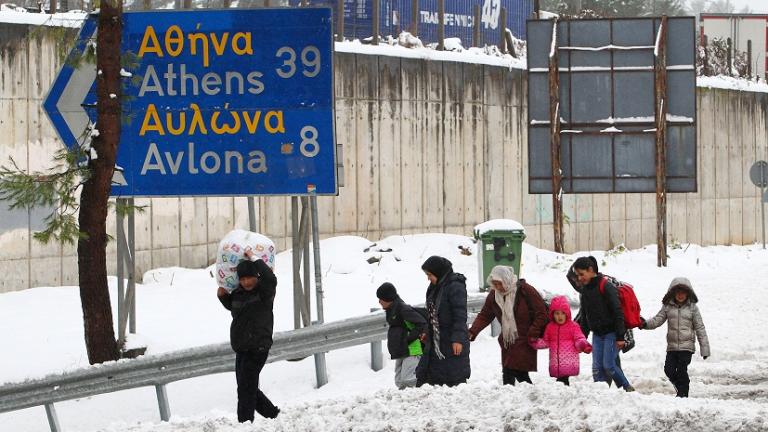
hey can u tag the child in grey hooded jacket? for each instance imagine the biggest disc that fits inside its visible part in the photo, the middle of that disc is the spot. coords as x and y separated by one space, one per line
684 326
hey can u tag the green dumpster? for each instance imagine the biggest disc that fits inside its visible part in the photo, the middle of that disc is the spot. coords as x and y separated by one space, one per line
499 242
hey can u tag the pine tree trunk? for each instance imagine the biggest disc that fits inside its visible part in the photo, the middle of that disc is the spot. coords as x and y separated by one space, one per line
91 251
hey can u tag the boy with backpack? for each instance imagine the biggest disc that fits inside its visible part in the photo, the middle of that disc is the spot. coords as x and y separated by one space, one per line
603 311
406 328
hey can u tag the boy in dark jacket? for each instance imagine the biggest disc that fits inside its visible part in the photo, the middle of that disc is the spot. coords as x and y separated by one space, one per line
251 334
406 327
606 320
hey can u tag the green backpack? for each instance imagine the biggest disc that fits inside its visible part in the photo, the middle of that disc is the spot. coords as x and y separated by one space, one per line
414 348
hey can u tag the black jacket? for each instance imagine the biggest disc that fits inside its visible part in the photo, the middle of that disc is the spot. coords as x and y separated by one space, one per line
450 297
602 310
252 317
398 336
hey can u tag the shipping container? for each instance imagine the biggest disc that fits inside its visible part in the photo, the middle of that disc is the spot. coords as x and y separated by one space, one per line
395 17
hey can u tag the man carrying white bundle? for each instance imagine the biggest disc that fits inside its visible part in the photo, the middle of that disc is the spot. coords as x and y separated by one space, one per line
251 333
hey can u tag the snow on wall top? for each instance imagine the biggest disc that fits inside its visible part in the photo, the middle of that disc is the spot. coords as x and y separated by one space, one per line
468 55
66 19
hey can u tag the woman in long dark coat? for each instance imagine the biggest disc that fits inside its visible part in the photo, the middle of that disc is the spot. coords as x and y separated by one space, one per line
522 314
446 356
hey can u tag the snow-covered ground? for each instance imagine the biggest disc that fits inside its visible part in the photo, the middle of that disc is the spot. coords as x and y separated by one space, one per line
41 332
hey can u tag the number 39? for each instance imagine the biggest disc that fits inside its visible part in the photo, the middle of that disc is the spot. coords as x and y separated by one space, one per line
310 59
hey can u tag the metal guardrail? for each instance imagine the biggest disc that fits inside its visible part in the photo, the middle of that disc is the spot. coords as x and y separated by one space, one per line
159 370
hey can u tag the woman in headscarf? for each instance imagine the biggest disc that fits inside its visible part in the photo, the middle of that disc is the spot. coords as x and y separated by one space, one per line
446 356
523 316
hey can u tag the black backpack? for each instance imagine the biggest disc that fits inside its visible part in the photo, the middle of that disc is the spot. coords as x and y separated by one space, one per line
423 312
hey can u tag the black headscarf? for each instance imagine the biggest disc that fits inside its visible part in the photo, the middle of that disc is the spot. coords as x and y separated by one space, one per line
438 266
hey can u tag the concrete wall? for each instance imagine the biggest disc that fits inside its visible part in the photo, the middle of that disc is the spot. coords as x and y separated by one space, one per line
428 147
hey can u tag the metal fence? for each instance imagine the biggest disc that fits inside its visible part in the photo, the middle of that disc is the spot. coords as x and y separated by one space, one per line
162 369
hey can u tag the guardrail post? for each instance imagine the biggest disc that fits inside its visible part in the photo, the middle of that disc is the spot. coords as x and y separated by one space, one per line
321 373
495 328
53 420
162 402
377 359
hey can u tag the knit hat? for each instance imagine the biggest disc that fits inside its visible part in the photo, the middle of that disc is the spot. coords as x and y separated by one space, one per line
386 292
247 268
438 266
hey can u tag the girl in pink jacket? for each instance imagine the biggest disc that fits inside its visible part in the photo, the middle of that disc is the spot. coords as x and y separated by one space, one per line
564 339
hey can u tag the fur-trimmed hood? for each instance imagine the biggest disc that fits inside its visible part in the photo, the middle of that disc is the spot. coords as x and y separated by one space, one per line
679 283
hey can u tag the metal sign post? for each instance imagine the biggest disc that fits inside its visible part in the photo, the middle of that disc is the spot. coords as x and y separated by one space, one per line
759 176
126 252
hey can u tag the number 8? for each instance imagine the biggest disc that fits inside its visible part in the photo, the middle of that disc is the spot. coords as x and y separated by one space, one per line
309 139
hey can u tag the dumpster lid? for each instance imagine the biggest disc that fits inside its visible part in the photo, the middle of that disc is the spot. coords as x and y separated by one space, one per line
499 225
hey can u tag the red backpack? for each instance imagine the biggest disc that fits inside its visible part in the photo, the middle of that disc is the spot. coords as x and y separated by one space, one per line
630 307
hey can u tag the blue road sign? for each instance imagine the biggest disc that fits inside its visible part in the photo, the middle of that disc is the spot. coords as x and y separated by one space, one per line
227 102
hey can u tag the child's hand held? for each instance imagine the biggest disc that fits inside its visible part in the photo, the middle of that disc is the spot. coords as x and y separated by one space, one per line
587 349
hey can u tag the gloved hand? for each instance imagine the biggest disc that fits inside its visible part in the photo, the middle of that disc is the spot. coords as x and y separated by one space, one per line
472 337
643 324
587 349
706 357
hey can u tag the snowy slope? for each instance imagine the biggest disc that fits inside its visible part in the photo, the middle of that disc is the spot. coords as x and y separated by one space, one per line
41 333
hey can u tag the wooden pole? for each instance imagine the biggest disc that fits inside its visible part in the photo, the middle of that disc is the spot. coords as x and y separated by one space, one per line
376 21
749 59
476 26
441 25
503 30
340 21
415 18
661 145
706 55
554 130
729 58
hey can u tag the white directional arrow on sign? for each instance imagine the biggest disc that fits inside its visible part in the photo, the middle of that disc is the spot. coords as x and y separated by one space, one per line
64 103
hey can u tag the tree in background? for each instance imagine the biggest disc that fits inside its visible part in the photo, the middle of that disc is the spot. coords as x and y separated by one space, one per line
714 61
697 7
721 6
614 8
666 7
87 169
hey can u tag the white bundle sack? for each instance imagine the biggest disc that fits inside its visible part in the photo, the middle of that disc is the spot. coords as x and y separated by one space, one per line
232 249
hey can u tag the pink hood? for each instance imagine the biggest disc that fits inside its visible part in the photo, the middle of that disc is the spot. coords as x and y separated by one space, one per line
564 341
559 303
